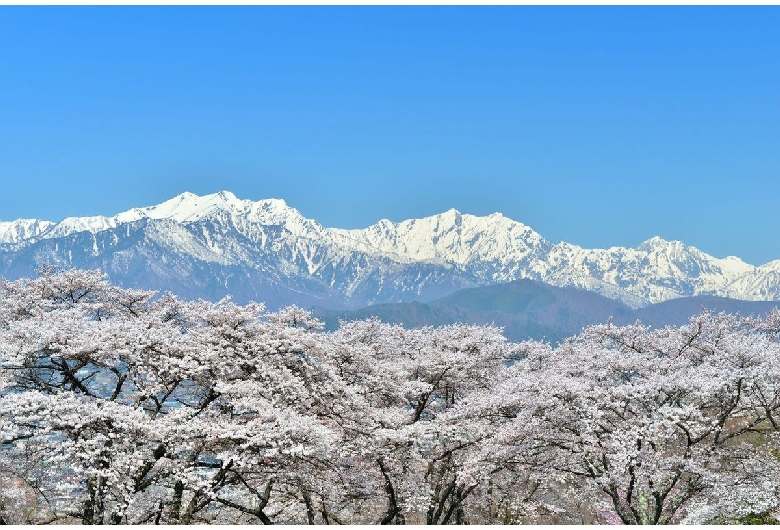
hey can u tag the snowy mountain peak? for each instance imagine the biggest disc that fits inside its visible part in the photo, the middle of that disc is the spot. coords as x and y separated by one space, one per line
273 210
188 207
657 243
388 261
22 229
451 237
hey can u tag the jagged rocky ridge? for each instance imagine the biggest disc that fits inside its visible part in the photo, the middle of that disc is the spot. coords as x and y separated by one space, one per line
214 245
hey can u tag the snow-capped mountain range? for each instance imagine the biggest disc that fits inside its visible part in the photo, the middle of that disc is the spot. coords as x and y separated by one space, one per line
214 245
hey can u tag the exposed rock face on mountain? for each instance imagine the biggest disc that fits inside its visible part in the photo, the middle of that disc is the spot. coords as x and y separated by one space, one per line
214 245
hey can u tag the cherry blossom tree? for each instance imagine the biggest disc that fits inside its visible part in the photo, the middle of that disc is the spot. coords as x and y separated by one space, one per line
155 410
659 426
408 380
125 406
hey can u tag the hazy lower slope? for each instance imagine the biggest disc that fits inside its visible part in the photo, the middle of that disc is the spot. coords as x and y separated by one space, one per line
528 309
677 312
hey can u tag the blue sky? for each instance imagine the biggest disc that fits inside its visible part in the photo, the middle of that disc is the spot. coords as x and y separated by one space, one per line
599 126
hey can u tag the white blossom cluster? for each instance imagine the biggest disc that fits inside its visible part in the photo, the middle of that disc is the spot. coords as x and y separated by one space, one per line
121 406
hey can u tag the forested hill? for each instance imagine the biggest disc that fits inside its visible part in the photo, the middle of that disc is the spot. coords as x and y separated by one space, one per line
529 309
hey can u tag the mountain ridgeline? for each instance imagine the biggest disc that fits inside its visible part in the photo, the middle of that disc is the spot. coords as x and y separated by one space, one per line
216 245
528 309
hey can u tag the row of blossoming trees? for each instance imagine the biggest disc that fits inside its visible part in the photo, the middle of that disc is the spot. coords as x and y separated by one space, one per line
119 406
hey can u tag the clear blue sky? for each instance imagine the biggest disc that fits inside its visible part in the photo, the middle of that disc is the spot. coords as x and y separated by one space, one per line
599 126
